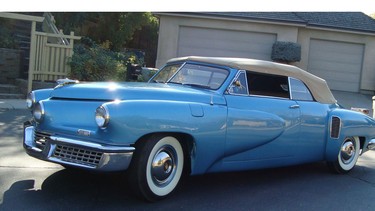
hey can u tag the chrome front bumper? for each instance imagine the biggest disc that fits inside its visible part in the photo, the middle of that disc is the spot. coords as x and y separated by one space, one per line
76 153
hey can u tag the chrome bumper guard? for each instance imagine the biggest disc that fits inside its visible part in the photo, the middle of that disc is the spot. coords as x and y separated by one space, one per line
77 153
371 144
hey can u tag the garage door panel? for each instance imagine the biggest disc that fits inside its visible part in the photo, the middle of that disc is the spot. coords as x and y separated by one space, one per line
223 45
339 63
210 52
338 85
335 67
215 42
336 76
334 57
336 46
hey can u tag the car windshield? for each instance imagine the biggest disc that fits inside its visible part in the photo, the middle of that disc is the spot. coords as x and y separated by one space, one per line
192 75
164 75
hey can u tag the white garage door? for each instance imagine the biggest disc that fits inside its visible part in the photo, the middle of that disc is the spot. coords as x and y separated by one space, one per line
195 41
339 63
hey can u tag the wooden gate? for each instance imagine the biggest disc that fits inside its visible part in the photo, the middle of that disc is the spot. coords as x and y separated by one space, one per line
51 59
49 52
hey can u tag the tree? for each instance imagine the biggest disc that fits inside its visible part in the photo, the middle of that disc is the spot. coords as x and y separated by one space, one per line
7 40
113 28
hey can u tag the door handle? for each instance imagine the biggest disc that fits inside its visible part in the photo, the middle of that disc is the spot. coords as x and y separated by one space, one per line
294 106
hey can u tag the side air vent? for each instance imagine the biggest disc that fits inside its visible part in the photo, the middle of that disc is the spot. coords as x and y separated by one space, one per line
335 127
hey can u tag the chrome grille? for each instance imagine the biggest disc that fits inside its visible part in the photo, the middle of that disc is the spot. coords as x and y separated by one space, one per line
77 155
40 139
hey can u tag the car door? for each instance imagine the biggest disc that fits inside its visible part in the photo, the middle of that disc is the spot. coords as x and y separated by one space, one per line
263 124
313 122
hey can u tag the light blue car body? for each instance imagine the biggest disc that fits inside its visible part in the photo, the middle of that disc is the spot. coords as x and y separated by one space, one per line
225 132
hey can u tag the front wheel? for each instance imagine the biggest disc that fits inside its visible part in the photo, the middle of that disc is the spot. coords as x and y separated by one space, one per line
347 157
157 167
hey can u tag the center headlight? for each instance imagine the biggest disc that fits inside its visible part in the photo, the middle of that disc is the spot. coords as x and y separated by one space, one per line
38 111
102 116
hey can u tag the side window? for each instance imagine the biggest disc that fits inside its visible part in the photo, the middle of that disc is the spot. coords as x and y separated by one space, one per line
239 85
299 91
268 85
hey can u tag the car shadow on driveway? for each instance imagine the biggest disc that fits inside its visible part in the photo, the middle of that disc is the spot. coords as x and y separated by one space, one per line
309 186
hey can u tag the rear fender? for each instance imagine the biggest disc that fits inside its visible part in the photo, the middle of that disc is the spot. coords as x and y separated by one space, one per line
345 123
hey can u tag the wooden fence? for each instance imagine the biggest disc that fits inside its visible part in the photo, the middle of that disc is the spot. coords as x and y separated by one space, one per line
51 59
49 53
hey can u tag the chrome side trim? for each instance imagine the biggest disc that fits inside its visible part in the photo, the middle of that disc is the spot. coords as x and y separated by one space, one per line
91 145
371 144
290 87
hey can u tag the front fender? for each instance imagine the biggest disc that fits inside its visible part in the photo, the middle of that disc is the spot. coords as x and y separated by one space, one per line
41 94
352 124
132 119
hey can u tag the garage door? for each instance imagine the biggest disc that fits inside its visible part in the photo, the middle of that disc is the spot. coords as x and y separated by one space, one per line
339 63
225 43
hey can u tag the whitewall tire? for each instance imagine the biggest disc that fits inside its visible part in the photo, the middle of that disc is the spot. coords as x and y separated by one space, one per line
157 167
347 156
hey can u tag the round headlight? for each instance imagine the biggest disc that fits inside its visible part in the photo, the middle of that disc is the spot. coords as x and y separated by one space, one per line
102 116
38 111
30 100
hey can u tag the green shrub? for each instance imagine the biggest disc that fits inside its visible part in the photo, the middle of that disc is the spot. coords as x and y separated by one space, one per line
286 52
91 62
7 40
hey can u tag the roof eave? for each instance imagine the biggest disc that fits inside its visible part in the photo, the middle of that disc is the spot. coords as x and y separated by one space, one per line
340 29
268 21
21 17
237 18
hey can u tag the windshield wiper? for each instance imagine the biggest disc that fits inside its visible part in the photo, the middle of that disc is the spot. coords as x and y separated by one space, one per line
191 84
198 85
171 82
157 81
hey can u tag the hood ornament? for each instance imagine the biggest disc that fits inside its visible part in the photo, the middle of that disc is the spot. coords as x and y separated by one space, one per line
66 81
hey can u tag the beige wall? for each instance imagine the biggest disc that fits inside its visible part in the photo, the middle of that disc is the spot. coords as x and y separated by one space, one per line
169 29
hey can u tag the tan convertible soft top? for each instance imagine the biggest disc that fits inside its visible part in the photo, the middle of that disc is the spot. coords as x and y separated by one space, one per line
318 87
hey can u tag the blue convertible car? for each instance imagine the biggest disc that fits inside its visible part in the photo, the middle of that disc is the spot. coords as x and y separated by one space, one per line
196 115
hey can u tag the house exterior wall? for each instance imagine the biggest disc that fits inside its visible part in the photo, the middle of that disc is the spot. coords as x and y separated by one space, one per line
170 25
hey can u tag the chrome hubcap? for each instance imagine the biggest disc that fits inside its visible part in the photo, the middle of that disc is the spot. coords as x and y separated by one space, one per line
163 166
348 152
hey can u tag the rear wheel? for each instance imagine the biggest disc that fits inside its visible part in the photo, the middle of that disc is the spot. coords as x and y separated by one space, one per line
347 157
157 167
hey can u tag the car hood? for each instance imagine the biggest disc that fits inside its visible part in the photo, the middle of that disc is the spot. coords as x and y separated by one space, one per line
109 91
